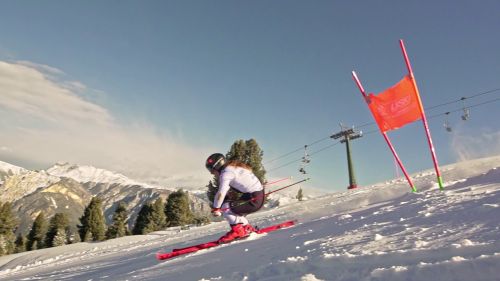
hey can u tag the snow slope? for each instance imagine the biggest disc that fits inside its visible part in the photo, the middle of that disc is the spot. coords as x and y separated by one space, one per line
381 232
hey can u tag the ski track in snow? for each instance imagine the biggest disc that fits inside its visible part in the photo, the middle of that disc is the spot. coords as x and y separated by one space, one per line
382 232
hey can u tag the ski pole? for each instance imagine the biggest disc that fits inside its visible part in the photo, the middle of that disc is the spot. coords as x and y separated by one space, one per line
265 195
287 186
276 181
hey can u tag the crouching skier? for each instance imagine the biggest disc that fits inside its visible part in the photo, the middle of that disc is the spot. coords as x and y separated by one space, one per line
238 176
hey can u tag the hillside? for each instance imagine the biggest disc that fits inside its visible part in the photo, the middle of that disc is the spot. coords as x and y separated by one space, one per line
379 232
69 188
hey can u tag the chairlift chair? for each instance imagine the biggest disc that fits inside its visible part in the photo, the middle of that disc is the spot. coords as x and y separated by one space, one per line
446 124
466 110
305 160
466 114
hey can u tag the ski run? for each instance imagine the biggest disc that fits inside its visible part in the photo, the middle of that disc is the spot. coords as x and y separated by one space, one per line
379 232
203 246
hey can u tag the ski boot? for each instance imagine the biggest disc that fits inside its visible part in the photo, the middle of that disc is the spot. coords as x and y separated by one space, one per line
237 231
249 229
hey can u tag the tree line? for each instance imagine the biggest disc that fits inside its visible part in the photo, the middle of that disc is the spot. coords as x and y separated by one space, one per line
57 230
152 216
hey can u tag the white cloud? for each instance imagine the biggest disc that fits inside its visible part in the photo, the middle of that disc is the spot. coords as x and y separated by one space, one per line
45 121
27 92
4 148
41 67
471 146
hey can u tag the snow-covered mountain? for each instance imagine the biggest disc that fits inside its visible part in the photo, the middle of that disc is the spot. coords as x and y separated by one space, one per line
379 232
26 182
68 188
7 170
90 174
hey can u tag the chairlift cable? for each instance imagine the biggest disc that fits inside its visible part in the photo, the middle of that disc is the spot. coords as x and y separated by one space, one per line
376 130
463 98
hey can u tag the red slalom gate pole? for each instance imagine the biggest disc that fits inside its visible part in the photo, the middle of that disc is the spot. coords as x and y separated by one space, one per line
424 119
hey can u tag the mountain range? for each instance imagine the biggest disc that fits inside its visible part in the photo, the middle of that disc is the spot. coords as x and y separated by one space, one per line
69 188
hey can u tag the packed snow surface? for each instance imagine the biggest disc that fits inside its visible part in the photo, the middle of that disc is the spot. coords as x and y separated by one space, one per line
381 232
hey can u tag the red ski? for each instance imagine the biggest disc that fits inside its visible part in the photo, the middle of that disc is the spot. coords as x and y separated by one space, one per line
195 248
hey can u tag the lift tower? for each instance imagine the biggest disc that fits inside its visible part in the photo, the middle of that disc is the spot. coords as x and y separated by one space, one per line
347 135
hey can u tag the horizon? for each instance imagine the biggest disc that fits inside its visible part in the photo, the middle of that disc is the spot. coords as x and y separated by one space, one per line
315 190
150 89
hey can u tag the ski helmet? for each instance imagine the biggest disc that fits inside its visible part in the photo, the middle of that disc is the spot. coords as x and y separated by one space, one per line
215 162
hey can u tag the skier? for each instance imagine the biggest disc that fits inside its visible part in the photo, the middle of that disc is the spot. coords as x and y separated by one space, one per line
239 177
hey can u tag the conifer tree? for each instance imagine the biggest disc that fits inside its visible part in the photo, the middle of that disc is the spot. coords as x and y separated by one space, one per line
3 245
60 239
212 187
144 223
254 159
21 243
249 153
300 195
177 209
73 235
36 236
8 224
92 225
118 227
238 151
87 236
57 235
158 215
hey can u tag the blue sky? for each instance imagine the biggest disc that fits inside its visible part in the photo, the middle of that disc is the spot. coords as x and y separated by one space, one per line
150 88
